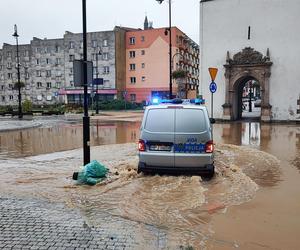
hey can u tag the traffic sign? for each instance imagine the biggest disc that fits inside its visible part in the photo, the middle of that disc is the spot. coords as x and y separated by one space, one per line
213 72
213 87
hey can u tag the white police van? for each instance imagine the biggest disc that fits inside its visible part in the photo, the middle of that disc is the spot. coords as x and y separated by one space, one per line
176 136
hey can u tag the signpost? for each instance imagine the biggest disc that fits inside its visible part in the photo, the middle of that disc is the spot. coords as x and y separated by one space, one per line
212 86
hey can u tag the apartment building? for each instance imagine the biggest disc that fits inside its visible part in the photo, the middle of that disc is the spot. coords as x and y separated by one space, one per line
147 63
46 67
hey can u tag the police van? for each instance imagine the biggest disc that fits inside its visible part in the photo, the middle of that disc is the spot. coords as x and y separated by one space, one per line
176 136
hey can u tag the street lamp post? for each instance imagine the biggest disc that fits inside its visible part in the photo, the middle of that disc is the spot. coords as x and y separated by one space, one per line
86 118
20 115
170 47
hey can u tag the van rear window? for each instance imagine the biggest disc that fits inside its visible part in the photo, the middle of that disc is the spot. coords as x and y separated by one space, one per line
160 120
190 121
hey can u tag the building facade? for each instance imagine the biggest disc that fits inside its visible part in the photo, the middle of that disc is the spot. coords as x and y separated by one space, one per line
46 67
147 63
251 40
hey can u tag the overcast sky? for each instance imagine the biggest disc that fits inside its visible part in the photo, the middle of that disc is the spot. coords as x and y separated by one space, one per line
51 18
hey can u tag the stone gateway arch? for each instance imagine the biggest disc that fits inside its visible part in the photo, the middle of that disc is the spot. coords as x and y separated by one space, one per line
242 67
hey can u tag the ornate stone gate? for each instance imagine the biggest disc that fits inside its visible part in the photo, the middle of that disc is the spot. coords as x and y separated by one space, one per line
244 66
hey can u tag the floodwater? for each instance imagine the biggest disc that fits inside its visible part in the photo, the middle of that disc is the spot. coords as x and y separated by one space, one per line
253 202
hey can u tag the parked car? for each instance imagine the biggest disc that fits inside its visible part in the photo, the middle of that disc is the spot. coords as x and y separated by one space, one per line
176 137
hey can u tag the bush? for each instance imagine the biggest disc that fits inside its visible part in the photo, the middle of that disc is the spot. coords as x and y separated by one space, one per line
27 106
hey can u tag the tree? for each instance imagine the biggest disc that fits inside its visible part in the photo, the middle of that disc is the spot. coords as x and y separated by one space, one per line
16 86
178 74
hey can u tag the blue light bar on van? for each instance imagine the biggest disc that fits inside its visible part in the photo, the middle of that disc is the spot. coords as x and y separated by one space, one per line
155 100
196 101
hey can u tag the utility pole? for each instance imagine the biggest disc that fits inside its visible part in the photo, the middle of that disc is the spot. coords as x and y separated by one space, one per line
170 46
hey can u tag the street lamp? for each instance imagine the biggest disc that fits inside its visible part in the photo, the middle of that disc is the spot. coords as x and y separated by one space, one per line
15 34
86 118
170 48
97 83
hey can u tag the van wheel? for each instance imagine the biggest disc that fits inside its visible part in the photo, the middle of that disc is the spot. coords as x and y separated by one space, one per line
140 167
210 174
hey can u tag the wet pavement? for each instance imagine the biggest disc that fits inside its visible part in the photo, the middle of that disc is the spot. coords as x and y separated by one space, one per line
251 203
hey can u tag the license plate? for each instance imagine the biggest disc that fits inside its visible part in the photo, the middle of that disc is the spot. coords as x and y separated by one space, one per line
160 147
189 148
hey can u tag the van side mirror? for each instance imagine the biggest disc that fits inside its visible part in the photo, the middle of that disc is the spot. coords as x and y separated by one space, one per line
212 120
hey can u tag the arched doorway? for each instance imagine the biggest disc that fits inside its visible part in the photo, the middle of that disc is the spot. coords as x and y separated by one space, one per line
247 100
245 66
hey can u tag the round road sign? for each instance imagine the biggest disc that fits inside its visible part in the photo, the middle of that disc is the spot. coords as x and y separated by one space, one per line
213 87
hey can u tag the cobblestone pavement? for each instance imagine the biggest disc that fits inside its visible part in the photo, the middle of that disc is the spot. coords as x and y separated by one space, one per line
36 224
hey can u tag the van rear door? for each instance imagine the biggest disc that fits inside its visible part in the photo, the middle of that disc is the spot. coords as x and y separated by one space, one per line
158 134
191 134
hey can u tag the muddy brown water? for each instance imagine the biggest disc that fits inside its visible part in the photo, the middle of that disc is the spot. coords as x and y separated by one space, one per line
252 203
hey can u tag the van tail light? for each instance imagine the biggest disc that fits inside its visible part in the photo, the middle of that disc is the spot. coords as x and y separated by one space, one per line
209 147
142 145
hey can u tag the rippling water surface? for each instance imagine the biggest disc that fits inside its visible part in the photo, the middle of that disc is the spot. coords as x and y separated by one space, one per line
253 161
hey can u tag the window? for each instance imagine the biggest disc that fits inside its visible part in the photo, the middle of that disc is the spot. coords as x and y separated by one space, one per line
9 65
0 58
48 73
2 87
57 85
106 83
1 67
196 120
95 71
143 78
11 97
9 75
37 61
142 38
48 85
3 98
154 123
57 49
48 50
71 45
133 97
26 53
57 61
132 66
38 85
71 71
132 40
10 86
71 83
71 58
105 43
94 57
143 52
132 80
105 56
131 54
106 70
26 75
94 43
143 65
48 61
8 54
58 73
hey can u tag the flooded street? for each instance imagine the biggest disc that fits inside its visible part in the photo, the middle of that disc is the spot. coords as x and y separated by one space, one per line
252 202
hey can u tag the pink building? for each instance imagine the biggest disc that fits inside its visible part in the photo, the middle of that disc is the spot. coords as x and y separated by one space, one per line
147 63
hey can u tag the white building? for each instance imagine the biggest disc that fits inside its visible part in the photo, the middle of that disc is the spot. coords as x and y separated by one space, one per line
251 40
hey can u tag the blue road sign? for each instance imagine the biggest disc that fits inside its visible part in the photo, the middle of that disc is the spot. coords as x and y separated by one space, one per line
213 87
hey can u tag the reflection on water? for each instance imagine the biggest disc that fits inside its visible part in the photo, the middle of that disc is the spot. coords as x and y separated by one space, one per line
63 136
279 140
